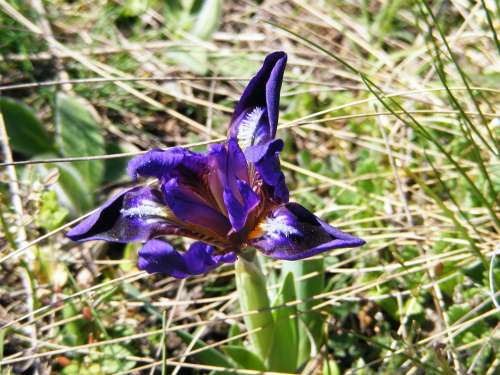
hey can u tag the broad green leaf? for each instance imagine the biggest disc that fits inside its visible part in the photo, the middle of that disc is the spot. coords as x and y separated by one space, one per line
27 134
73 193
209 356
115 169
208 19
234 65
173 8
284 350
234 330
309 281
79 134
244 358
330 367
254 303
195 61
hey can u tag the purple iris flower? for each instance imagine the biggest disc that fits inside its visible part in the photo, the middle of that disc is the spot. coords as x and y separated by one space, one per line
232 197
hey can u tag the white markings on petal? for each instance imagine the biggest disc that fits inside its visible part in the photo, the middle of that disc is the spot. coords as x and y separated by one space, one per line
277 227
248 127
145 209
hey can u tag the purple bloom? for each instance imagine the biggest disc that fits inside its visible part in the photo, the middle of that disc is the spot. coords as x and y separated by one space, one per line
232 197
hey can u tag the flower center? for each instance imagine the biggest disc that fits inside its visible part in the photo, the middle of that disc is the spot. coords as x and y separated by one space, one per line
247 130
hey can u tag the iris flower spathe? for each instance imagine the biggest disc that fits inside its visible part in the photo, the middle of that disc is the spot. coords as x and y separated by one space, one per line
232 197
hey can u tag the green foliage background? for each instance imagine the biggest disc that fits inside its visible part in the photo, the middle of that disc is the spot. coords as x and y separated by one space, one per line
389 113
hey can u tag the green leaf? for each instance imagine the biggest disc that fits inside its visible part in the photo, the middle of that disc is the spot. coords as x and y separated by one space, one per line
304 158
51 214
208 19
234 330
244 358
330 367
173 11
78 368
75 331
115 169
254 302
312 272
113 359
284 349
130 255
234 64
413 307
195 61
27 134
134 8
80 135
209 356
71 189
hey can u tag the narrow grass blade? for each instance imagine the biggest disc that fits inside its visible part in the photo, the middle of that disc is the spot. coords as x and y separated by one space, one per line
490 24
462 74
448 213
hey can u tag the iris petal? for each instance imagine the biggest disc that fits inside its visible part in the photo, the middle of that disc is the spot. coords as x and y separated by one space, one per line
230 169
135 214
157 256
255 118
166 164
189 207
265 157
291 232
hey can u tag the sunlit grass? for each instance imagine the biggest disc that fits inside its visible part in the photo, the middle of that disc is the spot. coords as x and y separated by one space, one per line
390 119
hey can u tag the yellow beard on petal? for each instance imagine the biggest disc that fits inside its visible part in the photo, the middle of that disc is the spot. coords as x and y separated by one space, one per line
255 233
273 227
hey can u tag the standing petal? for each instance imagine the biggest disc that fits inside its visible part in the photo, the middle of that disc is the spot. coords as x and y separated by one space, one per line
255 118
229 175
291 232
157 256
136 214
265 157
